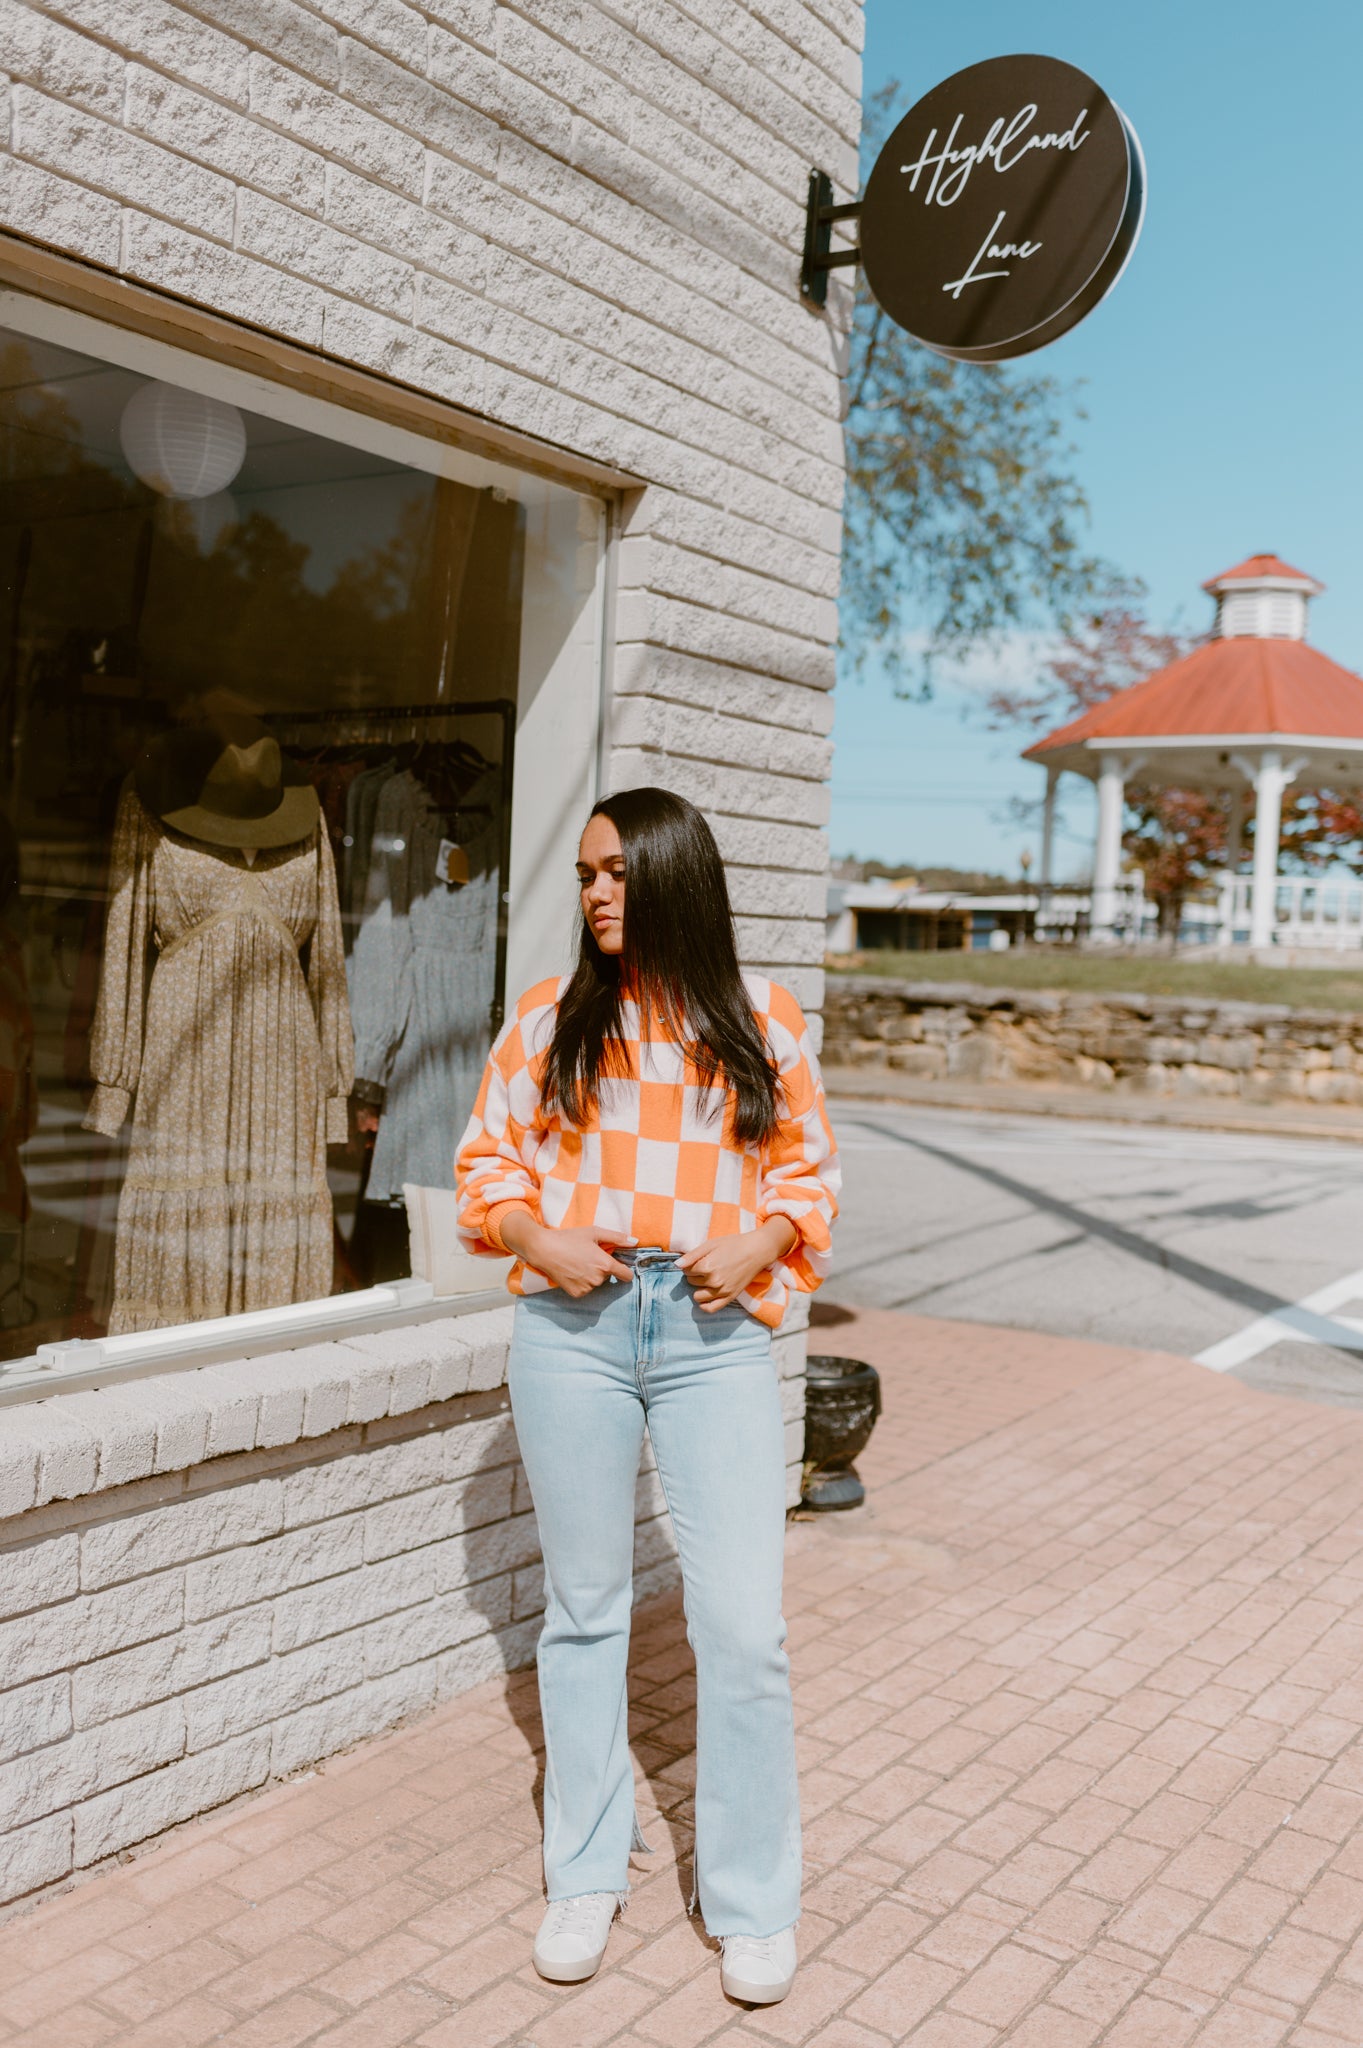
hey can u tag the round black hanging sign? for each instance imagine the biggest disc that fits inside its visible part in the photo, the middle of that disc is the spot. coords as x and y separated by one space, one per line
1002 209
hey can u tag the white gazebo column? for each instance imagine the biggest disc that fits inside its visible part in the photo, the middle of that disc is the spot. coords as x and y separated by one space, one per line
1046 874
1269 782
1107 851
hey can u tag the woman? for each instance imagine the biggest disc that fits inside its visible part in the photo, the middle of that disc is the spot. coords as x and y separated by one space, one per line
650 1142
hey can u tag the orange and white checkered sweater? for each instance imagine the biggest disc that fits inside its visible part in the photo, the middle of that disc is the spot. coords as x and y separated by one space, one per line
657 1160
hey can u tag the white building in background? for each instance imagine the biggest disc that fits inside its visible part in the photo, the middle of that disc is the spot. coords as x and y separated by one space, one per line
902 917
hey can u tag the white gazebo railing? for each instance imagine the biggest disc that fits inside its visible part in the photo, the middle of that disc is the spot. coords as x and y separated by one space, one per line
1322 915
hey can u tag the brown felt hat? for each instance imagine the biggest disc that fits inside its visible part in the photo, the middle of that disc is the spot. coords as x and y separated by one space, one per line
229 787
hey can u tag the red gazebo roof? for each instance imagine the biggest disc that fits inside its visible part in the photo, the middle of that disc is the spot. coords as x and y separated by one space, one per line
1227 688
1258 568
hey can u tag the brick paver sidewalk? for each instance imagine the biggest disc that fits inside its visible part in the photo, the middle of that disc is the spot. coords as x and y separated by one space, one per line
1081 1708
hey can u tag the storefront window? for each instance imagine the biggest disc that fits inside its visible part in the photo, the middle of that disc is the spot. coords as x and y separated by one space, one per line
295 710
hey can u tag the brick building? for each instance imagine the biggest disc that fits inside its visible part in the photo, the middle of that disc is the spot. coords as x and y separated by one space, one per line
428 386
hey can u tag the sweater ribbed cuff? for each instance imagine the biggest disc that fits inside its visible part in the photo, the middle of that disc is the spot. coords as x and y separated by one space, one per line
494 1218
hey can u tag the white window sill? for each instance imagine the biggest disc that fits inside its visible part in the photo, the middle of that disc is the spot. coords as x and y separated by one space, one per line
84 1362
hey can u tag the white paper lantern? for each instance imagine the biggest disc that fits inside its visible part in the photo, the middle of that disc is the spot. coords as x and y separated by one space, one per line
181 443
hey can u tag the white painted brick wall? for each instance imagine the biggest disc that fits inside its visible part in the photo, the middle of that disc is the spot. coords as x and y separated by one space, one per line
580 217
361 1545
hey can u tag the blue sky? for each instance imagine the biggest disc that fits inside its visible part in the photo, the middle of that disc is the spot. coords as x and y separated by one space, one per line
1223 379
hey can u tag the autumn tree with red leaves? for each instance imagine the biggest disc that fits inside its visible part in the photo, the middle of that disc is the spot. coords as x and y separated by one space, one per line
1178 840
1321 830
1107 651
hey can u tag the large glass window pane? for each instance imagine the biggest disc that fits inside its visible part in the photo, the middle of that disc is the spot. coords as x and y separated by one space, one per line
284 716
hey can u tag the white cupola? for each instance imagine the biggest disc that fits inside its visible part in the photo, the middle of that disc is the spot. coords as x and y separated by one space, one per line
1263 598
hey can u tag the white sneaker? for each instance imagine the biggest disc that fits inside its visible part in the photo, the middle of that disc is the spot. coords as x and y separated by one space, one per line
759 1968
572 1937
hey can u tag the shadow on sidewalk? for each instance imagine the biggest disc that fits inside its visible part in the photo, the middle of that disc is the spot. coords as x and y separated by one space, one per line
1227 1286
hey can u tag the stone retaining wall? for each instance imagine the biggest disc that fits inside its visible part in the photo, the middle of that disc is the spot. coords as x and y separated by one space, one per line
212 1578
1161 1045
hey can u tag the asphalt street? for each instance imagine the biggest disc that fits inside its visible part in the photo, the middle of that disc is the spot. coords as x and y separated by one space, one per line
1245 1252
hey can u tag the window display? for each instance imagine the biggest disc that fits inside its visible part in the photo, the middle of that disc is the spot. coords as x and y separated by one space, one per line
263 690
238 1057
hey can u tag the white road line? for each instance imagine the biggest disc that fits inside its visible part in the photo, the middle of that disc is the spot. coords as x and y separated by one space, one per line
1308 1321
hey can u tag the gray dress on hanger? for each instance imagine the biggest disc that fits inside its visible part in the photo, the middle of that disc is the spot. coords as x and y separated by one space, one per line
361 803
423 974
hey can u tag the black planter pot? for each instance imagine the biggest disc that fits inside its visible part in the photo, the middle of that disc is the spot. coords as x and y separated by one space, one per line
842 1401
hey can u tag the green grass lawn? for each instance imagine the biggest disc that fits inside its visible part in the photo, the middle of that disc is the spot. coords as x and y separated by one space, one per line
1306 988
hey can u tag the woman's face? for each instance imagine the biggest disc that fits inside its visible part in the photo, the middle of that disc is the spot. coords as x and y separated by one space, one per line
601 880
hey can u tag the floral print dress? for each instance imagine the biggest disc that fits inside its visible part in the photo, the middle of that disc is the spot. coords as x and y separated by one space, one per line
234 1053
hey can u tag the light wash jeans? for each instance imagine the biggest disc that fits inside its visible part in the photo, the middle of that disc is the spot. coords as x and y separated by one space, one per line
585 1376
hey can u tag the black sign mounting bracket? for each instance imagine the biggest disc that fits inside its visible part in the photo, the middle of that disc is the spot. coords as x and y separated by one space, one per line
820 257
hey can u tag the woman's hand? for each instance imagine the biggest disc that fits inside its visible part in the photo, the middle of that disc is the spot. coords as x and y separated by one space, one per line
722 1267
575 1260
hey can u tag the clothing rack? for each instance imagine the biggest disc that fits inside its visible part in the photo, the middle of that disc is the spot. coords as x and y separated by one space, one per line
338 724
373 726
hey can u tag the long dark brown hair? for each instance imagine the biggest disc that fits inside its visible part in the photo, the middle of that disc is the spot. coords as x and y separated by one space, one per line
680 960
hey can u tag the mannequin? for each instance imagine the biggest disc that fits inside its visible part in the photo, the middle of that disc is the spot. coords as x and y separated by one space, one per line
230 1042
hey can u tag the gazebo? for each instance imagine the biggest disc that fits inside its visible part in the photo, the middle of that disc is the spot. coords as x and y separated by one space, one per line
1252 708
